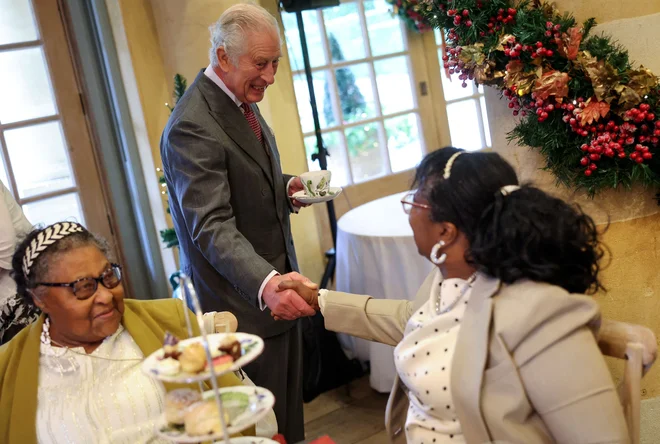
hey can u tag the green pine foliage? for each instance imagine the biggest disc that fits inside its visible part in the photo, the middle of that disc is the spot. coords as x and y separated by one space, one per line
478 25
168 235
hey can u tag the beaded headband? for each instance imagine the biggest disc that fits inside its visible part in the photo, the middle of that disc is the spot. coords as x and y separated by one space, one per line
449 164
45 239
508 189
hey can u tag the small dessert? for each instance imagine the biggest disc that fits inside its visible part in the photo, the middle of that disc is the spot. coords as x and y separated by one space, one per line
176 403
223 362
170 346
203 419
231 346
168 367
193 358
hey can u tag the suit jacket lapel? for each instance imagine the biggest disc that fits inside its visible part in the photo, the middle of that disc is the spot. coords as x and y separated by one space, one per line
469 362
234 123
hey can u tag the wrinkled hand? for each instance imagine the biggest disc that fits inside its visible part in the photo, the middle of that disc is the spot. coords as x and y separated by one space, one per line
295 186
286 304
309 292
304 287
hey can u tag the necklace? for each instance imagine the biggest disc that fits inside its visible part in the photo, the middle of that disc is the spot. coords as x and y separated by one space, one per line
56 357
466 287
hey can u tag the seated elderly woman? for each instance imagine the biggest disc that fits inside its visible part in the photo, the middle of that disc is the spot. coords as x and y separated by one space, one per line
74 375
498 346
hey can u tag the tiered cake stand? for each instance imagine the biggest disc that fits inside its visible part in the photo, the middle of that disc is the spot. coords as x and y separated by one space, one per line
245 405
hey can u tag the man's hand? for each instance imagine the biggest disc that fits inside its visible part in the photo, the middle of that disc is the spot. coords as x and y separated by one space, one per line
309 293
287 304
294 186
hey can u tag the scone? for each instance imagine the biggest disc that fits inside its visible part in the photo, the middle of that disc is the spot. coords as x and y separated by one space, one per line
203 419
176 403
193 358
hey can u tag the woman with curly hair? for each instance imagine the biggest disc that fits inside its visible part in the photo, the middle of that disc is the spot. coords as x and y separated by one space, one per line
500 343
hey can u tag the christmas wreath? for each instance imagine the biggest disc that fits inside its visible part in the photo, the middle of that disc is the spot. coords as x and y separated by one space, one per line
592 114
410 11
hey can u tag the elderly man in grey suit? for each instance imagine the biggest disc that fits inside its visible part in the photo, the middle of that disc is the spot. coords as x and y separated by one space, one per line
230 202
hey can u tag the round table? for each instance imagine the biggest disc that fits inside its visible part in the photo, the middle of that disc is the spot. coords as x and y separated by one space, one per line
377 256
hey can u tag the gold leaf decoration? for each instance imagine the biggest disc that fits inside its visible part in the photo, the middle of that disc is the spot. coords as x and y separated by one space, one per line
472 55
516 76
552 83
570 43
593 111
603 76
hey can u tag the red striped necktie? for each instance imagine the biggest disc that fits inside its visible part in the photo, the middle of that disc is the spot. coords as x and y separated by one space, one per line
252 120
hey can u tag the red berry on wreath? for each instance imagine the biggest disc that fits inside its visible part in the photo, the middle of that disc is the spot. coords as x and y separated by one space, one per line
466 13
512 11
549 25
587 173
650 117
593 167
584 161
549 53
548 33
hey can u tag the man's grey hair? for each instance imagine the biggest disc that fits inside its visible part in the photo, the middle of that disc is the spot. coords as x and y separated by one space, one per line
231 29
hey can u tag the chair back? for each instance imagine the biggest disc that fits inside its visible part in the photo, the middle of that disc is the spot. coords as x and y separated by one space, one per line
638 346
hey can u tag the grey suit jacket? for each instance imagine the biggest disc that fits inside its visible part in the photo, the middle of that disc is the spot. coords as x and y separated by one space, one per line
527 368
229 204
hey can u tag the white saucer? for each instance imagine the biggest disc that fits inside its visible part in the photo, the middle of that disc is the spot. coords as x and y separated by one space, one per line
301 197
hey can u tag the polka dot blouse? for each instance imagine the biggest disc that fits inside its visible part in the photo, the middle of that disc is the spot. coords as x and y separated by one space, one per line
423 362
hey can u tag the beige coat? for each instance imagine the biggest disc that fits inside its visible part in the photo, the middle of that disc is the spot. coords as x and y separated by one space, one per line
527 368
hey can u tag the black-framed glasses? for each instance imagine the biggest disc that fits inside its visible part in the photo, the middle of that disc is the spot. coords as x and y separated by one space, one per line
84 288
408 202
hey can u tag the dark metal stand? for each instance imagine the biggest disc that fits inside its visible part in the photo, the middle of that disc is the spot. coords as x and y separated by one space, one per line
321 153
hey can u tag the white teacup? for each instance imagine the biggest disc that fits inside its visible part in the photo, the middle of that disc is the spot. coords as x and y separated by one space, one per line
316 183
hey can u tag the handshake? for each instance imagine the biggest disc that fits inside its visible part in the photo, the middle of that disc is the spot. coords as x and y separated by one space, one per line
291 296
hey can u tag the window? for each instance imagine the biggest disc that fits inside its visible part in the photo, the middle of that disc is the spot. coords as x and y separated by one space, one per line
466 108
41 119
364 88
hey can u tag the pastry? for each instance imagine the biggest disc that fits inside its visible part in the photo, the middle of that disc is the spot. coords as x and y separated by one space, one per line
231 346
170 346
193 358
223 362
168 366
203 419
176 403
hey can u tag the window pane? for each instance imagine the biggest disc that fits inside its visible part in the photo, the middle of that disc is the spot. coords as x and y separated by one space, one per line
25 90
464 125
385 34
336 161
16 22
484 118
355 92
342 24
322 92
452 89
55 209
403 142
394 85
38 156
312 35
364 152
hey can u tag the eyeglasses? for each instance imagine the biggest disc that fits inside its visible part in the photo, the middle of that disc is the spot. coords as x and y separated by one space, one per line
85 288
408 202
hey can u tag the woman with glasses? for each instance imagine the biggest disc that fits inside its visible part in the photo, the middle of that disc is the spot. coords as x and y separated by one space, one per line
74 375
499 345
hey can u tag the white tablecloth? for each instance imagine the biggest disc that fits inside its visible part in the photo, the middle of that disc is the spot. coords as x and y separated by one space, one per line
377 256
